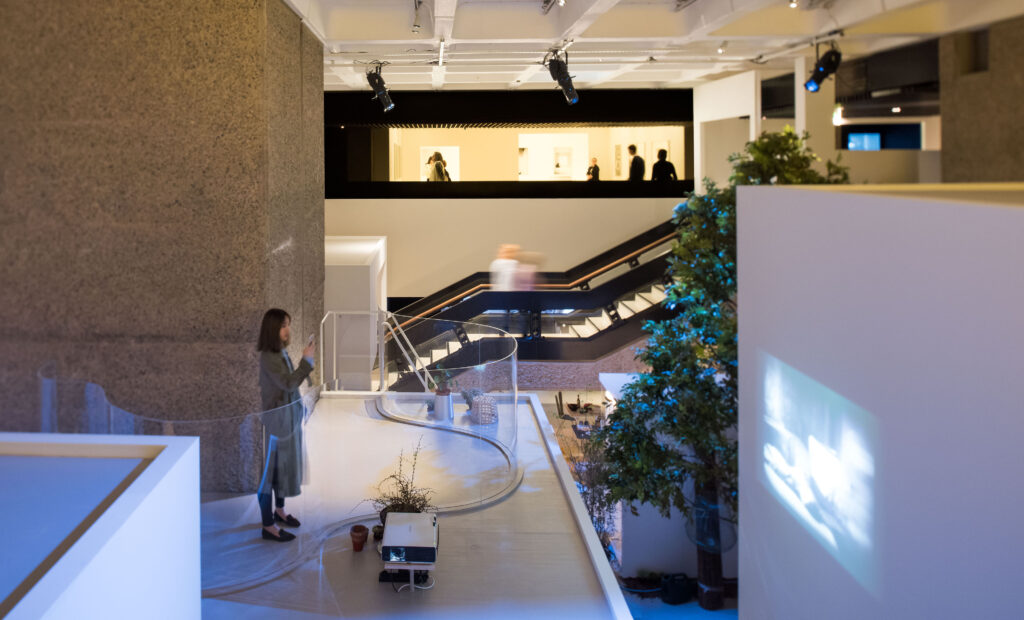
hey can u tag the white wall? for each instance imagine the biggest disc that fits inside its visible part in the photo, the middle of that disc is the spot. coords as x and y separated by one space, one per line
543 151
890 322
433 243
722 139
728 98
354 283
892 166
347 288
653 543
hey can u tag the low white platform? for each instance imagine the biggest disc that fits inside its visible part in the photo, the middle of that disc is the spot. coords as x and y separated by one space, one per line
525 555
109 527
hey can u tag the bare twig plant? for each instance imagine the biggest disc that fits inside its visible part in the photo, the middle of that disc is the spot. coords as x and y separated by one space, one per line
398 491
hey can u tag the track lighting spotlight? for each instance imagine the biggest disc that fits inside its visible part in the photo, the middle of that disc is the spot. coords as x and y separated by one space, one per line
721 48
558 65
826 66
380 90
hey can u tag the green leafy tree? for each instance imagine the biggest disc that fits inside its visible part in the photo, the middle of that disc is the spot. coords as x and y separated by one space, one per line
672 439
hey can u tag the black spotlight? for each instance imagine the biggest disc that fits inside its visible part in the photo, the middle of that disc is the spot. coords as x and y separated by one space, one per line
826 66
558 65
380 90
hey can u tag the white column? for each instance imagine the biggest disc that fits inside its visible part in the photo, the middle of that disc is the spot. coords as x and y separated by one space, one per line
729 98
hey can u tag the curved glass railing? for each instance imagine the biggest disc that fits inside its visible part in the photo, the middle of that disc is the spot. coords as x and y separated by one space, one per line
462 379
468 381
239 458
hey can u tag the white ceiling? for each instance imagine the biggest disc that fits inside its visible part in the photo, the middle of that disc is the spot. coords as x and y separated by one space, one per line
500 44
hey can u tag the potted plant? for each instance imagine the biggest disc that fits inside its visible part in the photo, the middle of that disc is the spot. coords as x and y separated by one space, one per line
444 408
398 491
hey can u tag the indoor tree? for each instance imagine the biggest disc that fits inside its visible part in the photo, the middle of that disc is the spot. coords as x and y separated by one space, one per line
672 439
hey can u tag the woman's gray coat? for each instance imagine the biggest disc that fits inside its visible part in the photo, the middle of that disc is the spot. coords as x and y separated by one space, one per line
282 417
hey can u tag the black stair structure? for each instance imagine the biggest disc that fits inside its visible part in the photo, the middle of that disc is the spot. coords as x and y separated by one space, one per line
581 314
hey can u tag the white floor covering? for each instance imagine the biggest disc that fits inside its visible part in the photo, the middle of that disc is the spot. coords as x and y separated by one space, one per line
520 557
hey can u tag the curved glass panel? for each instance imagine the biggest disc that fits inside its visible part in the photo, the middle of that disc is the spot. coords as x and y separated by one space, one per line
459 376
453 393
243 459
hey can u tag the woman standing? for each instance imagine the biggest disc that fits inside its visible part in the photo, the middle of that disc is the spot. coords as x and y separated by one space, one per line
279 393
439 169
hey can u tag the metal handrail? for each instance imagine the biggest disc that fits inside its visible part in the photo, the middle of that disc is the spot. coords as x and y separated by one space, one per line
569 285
405 353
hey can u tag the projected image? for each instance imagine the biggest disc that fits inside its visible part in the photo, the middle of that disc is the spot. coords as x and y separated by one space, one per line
818 452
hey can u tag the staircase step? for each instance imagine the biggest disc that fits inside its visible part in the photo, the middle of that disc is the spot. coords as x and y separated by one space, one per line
603 321
584 331
650 298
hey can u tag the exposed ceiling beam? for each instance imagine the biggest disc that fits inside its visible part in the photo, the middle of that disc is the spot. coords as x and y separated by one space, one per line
444 24
577 16
526 75
581 14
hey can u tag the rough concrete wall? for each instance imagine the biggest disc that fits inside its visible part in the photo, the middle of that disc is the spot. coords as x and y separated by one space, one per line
982 127
295 196
143 183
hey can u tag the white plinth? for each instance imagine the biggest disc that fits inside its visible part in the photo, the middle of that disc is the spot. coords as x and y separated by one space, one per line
111 526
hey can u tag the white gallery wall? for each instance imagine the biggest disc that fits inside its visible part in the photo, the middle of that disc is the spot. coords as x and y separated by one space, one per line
354 289
729 98
881 347
432 243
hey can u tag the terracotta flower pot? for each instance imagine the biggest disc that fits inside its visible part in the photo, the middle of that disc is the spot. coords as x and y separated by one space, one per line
358 534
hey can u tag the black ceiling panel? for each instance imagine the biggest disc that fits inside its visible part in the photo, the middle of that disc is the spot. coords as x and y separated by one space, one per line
530 108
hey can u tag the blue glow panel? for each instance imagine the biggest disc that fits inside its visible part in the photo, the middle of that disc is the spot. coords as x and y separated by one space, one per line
52 496
818 451
864 142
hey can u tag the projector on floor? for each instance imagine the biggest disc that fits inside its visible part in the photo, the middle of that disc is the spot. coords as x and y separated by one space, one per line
410 537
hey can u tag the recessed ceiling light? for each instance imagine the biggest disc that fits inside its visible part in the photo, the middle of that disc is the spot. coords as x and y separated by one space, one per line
897 110
794 4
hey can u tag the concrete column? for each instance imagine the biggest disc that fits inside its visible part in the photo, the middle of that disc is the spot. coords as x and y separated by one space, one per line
981 93
162 185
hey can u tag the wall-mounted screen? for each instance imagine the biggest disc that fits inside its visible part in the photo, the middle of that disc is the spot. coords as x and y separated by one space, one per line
818 452
864 142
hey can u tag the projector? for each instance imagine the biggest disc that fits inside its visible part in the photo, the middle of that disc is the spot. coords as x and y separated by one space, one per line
410 537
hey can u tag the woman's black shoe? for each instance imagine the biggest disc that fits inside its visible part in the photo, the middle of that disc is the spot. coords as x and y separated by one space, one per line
282 536
290 521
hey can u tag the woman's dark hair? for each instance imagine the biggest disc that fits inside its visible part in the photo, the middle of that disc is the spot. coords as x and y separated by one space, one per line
270 330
